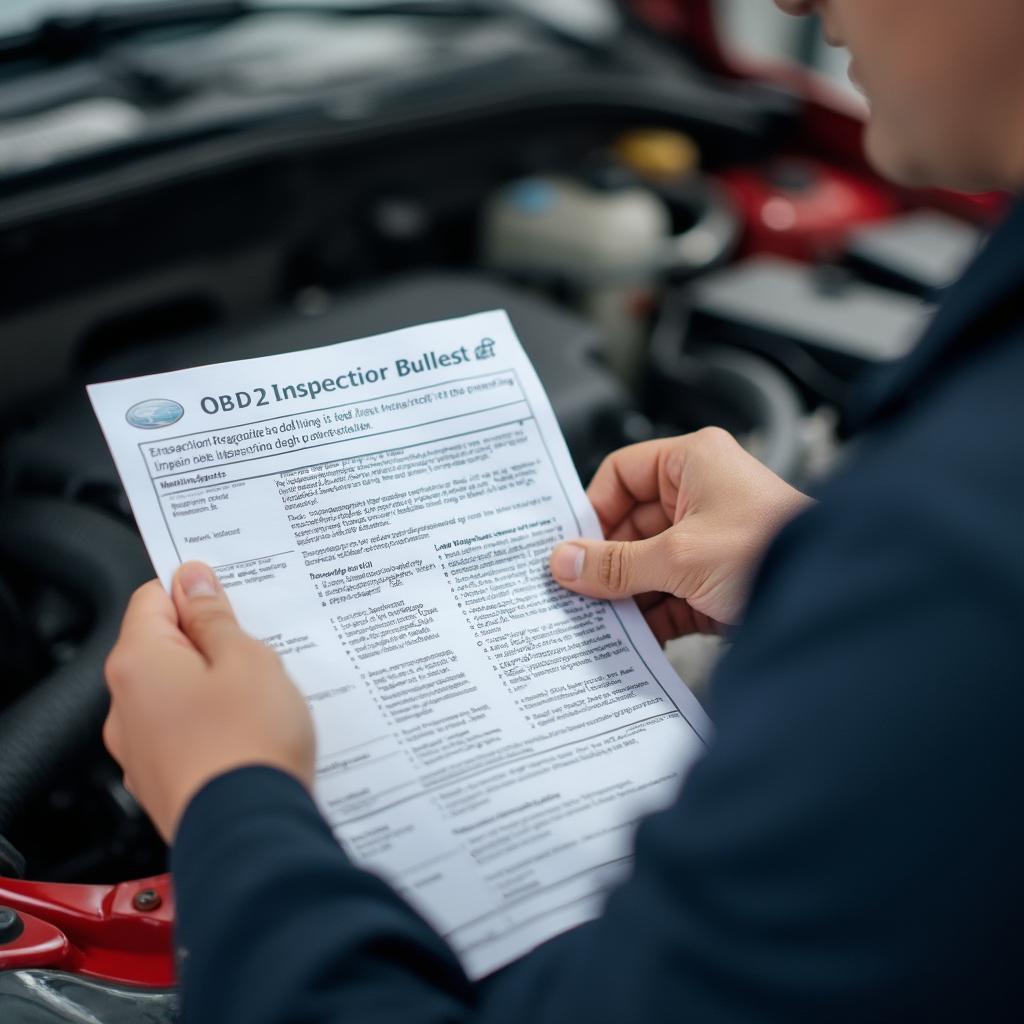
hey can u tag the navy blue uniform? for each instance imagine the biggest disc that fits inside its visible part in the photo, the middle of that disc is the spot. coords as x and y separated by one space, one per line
851 848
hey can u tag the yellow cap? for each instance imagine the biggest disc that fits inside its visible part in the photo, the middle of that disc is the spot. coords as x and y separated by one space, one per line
658 153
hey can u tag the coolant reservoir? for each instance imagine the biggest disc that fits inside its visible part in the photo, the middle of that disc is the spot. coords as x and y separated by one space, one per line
605 240
578 232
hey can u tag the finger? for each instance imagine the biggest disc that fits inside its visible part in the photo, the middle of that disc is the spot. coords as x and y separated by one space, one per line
205 612
612 569
660 622
672 618
626 478
646 520
151 615
150 640
647 601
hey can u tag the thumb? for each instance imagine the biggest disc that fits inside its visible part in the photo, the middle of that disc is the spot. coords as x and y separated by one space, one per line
611 569
204 611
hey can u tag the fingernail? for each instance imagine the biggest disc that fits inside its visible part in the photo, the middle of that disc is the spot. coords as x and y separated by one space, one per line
197 580
567 562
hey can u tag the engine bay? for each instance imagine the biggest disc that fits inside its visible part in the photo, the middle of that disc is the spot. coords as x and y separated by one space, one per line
675 249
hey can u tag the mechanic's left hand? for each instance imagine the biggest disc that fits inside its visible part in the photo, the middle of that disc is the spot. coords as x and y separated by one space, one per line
193 696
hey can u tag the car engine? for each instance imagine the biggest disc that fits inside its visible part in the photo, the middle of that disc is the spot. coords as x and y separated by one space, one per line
204 187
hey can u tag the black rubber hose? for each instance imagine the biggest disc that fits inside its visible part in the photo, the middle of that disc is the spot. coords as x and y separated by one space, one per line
99 561
765 395
706 384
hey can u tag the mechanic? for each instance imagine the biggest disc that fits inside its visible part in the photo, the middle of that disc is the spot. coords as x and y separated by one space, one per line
850 848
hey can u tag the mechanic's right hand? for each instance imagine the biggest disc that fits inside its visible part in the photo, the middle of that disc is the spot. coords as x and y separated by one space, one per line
687 521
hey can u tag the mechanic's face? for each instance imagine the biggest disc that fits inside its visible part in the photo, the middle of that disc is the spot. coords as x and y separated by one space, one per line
945 80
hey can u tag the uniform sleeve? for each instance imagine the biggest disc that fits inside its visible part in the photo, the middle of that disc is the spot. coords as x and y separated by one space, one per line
848 850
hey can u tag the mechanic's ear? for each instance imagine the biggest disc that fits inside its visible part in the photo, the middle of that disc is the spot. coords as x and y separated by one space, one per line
112 736
205 612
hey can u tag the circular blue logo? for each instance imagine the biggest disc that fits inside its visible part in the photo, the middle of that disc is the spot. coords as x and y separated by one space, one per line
154 412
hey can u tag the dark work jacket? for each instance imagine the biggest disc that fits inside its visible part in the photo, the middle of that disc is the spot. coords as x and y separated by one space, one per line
851 848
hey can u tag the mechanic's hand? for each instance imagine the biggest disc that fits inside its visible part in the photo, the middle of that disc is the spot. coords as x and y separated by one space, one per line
193 697
687 520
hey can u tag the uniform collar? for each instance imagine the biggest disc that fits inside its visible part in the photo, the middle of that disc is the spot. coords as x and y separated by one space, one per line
974 311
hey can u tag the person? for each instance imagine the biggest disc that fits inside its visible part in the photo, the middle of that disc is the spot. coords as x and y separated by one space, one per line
850 847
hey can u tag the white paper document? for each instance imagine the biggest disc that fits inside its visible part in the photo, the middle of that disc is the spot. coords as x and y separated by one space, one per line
381 512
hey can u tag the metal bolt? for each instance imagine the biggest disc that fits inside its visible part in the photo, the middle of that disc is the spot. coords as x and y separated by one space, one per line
146 899
11 925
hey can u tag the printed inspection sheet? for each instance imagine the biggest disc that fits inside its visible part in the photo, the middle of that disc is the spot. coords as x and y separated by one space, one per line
381 512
